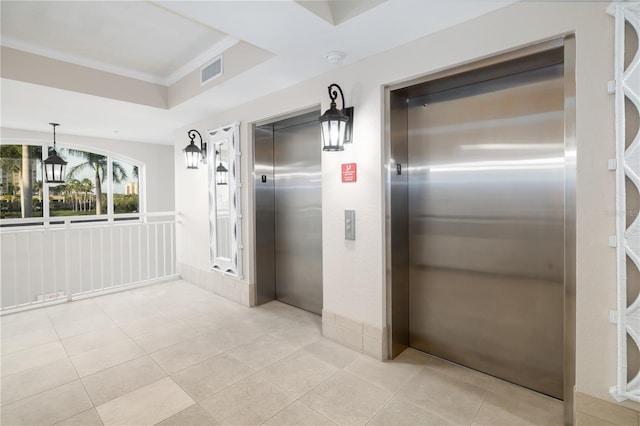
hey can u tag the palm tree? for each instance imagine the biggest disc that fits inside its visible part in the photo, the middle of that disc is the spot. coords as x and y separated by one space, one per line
9 155
87 192
98 165
58 190
71 189
37 187
26 194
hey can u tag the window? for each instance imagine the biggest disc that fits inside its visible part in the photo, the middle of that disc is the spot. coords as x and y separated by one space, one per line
126 188
20 181
95 184
83 192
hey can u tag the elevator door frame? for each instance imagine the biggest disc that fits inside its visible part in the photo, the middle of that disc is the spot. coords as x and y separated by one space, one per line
396 198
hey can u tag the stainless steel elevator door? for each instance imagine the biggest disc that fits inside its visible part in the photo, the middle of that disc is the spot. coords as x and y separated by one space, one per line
288 208
486 227
298 214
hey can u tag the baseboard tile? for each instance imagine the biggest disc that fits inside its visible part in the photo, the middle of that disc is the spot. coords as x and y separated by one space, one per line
218 283
589 410
354 334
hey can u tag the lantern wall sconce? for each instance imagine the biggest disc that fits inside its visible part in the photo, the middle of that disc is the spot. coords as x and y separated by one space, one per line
192 154
222 175
55 168
337 125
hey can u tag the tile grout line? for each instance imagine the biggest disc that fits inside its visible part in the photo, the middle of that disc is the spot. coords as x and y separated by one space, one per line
76 371
263 367
338 370
216 392
396 394
281 410
28 347
124 362
182 411
425 408
167 375
93 405
77 414
258 374
226 353
381 408
37 346
68 358
78 379
316 411
295 399
484 398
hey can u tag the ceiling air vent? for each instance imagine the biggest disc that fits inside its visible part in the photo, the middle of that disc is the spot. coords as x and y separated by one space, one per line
211 70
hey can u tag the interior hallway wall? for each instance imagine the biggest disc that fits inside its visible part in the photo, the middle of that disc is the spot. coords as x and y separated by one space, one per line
354 271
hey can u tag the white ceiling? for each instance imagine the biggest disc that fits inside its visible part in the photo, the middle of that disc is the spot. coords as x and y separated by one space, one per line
155 40
133 38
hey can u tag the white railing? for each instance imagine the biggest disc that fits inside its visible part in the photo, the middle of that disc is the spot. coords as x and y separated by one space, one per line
63 258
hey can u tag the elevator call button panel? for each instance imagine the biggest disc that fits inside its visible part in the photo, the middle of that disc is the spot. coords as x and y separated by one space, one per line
349 224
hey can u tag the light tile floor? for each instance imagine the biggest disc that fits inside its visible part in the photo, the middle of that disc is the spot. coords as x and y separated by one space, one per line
174 354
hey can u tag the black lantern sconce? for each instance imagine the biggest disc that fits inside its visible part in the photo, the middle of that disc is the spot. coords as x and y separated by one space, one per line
337 125
55 168
192 154
222 175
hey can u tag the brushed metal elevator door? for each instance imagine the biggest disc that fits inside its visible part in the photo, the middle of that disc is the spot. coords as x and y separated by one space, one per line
486 227
298 213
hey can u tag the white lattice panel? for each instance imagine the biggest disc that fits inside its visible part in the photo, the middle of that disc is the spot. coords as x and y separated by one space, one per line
231 230
627 86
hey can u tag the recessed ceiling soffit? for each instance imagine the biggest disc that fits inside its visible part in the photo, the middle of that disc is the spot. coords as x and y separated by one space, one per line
153 61
338 12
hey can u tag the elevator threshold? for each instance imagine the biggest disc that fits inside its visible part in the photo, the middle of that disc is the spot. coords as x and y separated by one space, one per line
473 376
298 308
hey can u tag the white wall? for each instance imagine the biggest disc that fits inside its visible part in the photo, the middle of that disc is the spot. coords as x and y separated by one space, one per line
354 271
158 160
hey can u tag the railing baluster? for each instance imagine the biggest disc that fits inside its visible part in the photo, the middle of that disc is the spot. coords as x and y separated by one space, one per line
121 259
42 263
91 259
102 259
140 253
29 295
55 263
130 257
81 281
155 228
15 270
164 249
67 258
148 254
172 244
112 282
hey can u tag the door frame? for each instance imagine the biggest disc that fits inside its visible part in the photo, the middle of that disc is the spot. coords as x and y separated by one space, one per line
396 195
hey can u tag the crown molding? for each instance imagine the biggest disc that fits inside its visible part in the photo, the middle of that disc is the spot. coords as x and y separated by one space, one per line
81 61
